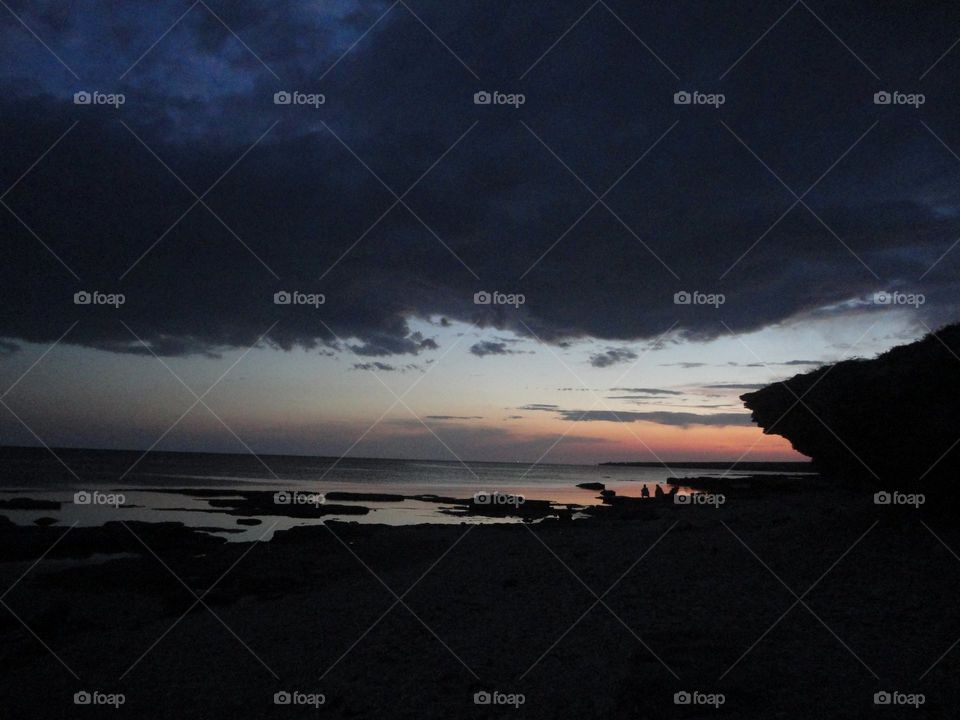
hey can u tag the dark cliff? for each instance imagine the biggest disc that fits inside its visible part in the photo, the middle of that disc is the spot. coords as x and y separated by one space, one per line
892 422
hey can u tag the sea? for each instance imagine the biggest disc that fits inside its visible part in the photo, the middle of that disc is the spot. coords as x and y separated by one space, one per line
93 487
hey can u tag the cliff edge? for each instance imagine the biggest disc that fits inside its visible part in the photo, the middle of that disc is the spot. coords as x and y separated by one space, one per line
892 422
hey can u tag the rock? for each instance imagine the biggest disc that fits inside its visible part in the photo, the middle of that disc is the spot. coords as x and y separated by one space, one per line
169 540
890 422
592 486
608 496
363 497
29 504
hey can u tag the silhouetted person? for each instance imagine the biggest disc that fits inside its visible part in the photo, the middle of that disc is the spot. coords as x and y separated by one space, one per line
644 492
658 492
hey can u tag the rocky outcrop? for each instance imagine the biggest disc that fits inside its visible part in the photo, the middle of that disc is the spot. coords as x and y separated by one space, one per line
592 486
892 422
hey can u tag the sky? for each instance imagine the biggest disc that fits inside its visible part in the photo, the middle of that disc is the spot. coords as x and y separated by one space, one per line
806 220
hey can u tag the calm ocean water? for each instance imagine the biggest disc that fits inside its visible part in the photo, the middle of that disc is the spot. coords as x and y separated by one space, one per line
38 474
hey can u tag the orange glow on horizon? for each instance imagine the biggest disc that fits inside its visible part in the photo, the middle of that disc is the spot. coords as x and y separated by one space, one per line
597 441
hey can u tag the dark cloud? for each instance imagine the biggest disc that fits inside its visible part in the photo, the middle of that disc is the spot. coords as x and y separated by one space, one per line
383 344
647 391
299 211
612 357
679 419
635 397
374 366
732 363
385 367
736 386
487 347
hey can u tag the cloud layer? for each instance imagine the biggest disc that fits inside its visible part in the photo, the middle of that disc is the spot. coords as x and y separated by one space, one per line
599 199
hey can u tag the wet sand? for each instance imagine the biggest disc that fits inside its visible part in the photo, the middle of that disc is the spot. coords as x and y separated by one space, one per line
509 608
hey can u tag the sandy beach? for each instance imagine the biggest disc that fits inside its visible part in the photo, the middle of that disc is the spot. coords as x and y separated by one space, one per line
607 617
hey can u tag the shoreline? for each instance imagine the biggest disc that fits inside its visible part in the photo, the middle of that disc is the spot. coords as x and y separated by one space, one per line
231 506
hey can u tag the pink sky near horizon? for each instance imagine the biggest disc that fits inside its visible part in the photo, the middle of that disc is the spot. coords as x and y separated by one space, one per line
452 404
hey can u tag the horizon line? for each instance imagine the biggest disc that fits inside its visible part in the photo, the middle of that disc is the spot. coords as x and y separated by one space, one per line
637 463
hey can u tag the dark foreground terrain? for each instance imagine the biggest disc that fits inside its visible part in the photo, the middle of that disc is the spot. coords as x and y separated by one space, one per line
795 602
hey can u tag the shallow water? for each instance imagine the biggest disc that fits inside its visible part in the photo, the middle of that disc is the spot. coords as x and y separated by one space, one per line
40 475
